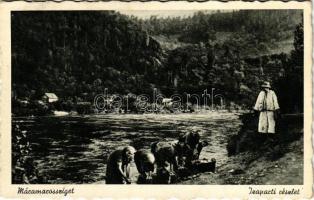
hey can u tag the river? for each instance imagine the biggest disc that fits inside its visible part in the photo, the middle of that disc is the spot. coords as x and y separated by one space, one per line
74 149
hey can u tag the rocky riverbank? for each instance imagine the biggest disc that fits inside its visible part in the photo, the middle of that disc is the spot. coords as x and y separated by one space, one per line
258 160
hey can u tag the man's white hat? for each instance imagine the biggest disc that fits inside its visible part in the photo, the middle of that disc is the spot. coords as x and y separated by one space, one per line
265 84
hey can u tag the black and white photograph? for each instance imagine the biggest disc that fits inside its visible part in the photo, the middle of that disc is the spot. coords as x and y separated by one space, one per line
185 97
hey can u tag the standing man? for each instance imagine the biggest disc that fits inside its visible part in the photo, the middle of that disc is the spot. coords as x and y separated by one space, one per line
268 107
118 166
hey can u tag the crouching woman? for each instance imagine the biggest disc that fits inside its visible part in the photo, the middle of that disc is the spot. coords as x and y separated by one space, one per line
118 166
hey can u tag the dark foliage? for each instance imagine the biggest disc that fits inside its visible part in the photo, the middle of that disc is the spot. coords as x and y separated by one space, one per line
260 25
291 86
78 54
24 167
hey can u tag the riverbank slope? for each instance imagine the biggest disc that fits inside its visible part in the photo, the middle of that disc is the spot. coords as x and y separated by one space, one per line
252 161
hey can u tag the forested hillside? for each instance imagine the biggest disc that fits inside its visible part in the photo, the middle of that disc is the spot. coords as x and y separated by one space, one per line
234 51
78 54
261 31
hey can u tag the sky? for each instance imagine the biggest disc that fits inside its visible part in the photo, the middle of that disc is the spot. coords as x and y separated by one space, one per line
145 14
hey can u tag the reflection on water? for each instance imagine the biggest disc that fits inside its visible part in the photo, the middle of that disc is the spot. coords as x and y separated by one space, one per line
75 149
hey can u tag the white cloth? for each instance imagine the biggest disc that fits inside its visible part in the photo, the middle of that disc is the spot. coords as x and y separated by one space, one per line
266 122
266 103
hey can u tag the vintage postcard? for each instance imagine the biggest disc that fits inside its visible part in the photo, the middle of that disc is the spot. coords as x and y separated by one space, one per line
156 100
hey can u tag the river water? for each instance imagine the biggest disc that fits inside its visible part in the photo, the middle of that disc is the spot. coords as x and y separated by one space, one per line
74 149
